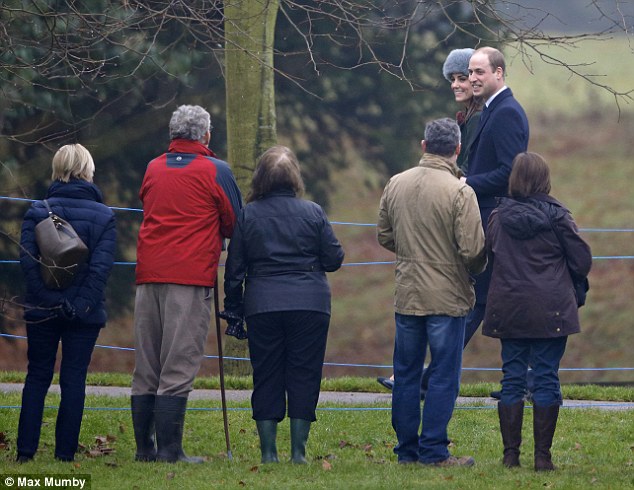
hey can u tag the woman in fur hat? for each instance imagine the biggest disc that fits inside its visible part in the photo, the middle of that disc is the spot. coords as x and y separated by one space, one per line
456 71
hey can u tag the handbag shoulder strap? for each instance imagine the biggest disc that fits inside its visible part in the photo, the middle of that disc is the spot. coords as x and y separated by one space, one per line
48 207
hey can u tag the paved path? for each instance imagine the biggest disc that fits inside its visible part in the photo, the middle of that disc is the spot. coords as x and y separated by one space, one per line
347 398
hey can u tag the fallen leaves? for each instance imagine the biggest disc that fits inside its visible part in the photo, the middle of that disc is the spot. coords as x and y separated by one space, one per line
4 442
102 447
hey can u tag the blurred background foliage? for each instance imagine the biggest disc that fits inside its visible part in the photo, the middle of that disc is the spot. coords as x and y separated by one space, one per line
113 89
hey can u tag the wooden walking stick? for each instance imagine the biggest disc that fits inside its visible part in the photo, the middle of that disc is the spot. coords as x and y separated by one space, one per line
222 371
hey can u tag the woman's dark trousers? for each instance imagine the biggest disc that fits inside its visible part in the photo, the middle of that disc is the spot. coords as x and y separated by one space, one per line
287 354
287 351
78 342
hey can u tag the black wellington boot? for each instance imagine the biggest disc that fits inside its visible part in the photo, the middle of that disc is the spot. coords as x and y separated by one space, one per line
169 417
267 430
511 418
143 423
544 424
299 435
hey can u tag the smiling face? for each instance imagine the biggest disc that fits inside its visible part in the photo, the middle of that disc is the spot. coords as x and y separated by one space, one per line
461 87
484 79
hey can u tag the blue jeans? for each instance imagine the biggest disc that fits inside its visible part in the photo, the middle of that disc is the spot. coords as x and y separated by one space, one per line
474 319
472 322
78 342
445 337
543 356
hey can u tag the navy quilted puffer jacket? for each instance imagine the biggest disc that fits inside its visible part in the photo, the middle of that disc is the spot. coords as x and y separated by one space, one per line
81 204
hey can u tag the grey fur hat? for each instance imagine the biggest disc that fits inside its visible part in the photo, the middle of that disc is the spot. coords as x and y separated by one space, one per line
457 62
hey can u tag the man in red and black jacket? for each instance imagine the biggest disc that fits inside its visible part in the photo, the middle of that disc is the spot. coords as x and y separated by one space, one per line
190 203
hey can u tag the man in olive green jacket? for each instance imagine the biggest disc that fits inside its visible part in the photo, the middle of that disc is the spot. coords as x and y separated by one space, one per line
431 221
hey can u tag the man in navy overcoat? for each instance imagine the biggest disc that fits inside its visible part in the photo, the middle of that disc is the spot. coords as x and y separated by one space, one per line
501 135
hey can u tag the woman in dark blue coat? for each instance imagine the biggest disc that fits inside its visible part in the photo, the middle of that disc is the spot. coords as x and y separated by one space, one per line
73 315
534 252
281 249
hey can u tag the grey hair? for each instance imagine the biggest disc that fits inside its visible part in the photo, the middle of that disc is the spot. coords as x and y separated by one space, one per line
73 162
189 122
442 137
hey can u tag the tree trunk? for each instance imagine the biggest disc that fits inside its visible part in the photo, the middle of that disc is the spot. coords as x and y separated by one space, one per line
250 91
250 94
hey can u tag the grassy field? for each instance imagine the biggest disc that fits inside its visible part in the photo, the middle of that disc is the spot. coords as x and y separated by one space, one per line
544 85
346 449
349 446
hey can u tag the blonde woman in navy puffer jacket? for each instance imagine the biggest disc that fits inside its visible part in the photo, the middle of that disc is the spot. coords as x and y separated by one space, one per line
74 315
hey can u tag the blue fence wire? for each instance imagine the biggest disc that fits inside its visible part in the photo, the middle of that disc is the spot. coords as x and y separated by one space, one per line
337 364
340 364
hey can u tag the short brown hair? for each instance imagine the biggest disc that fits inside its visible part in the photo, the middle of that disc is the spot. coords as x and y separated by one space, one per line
496 58
530 175
276 169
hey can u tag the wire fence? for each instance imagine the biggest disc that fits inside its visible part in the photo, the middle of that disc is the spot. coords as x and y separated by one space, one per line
351 264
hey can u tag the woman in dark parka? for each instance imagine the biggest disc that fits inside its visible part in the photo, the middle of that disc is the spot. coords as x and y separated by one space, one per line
534 247
281 249
74 315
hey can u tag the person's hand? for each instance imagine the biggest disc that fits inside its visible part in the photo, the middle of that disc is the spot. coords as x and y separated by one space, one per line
235 324
66 311
235 328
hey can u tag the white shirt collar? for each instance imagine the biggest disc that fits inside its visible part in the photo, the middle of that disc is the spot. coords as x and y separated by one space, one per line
490 99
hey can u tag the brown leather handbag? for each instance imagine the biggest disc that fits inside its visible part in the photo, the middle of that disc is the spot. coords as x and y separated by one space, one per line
62 252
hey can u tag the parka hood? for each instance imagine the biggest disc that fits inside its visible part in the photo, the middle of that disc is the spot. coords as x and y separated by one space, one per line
523 219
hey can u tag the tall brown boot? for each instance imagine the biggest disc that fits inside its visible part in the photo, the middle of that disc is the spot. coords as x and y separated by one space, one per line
511 418
544 424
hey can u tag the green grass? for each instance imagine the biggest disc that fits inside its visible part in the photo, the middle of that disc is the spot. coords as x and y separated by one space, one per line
348 384
346 449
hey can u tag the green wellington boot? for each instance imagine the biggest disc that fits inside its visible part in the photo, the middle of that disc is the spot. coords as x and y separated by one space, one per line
267 430
299 435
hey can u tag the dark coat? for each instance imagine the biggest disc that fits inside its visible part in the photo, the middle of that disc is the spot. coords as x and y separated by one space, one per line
281 249
81 204
531 293
502 134
468 130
